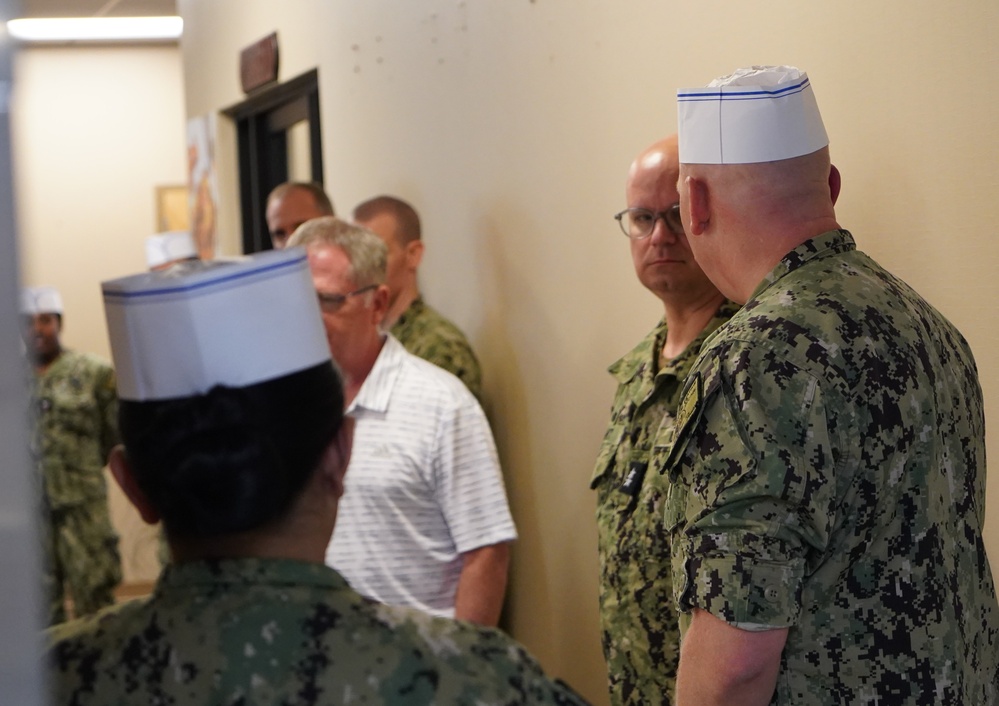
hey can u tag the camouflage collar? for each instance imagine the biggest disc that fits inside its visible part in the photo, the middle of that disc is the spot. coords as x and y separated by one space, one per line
222 573
412 310
832 241
641 357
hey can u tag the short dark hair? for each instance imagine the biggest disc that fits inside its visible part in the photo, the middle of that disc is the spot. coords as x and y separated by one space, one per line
406 218
232 459
319 195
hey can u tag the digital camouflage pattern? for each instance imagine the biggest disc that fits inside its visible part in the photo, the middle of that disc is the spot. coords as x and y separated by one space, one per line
639 624
274 631
75 410
827 474
428 335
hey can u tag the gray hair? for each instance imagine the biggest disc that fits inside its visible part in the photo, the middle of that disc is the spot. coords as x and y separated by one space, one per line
367 253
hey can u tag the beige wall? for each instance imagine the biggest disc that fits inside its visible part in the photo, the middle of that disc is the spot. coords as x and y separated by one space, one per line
96 130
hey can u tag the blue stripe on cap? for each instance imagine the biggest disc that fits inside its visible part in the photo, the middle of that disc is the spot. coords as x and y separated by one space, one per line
759 94
220 281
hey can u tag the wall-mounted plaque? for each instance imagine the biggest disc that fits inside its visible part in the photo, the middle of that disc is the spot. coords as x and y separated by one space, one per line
258 63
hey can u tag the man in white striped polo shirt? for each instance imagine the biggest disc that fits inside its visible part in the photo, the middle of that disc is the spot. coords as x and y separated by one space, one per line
424 520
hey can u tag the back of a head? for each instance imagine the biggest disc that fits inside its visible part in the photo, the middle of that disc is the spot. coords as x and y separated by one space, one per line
406 219
234 458
223 429
367 252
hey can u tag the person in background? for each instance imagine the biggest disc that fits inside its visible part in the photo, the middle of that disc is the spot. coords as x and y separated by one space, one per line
238 440
74 410
826 476
641 637
425 520
291 204
418 327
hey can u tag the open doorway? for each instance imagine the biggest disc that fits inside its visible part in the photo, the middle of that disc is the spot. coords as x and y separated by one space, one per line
280 139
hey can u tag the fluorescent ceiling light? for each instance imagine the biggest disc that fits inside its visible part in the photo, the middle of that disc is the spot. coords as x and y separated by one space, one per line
95 29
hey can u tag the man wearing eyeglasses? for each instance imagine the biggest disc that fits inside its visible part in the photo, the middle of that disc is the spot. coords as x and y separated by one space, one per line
424 521
639 623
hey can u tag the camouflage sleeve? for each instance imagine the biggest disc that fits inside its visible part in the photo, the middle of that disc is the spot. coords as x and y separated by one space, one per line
107 404
751 492
456 357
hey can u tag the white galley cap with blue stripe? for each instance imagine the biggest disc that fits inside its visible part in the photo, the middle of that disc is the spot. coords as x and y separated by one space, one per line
179 332
757 114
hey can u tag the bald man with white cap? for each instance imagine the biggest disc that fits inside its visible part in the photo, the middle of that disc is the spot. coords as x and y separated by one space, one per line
75 415
825 481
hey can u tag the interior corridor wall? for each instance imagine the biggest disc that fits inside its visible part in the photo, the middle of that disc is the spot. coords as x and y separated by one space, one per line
510 125
95 131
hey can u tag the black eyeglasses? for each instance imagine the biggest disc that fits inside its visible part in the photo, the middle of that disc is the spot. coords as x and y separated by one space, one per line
638 223
332 302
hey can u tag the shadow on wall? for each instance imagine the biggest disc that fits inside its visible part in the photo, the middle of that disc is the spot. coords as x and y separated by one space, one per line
528 607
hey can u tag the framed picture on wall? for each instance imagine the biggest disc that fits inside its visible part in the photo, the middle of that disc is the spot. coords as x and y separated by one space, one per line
171 209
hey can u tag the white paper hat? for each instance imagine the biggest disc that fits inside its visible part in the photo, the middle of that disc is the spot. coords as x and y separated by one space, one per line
176 333
168 247
757 114
40 300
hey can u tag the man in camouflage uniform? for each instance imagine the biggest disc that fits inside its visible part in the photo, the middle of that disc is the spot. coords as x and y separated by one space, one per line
420 329
75 410
826 471
641 638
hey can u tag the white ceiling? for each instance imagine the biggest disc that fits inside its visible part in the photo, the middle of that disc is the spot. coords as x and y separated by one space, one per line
103 8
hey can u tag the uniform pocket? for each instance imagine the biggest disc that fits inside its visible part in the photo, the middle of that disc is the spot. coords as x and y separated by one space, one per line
675 507
612 443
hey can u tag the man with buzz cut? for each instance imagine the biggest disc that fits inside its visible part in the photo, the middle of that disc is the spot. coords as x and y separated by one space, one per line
641 638
420 328
290 205
825 479
424 521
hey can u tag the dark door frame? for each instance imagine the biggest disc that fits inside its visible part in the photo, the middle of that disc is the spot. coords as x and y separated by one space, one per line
262 122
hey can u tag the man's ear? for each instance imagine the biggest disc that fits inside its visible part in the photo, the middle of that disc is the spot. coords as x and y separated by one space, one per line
414 254
336 458
122 471
700 206
835 182
380 303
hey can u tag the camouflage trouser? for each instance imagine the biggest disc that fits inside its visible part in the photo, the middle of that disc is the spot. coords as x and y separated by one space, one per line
81 559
